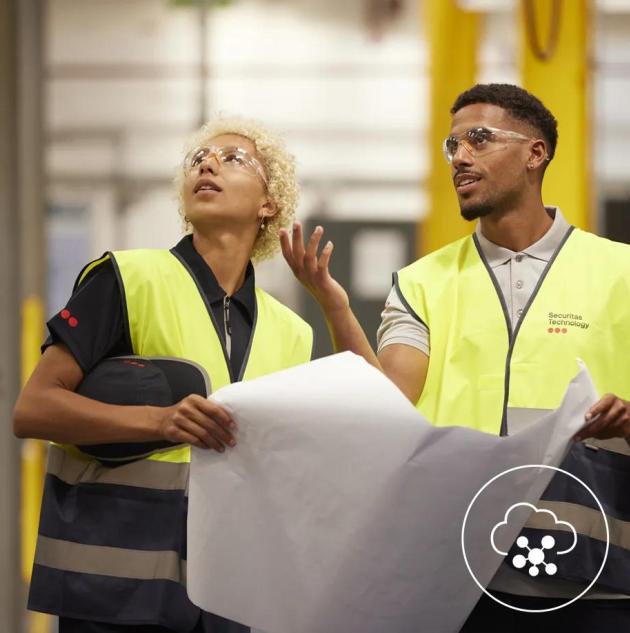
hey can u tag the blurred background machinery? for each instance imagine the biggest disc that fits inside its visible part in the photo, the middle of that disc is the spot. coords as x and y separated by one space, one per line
99 96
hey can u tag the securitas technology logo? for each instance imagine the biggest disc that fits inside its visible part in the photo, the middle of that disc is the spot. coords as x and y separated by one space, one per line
562 322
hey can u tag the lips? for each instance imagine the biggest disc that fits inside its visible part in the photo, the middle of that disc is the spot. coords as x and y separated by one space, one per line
206 184
465 181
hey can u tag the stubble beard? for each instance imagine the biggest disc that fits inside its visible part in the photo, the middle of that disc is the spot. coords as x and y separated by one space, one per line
475 211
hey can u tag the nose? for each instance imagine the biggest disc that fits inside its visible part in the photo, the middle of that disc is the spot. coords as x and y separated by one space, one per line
463 155
210 164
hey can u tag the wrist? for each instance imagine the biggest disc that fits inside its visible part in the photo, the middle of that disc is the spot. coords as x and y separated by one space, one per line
336 311
153 422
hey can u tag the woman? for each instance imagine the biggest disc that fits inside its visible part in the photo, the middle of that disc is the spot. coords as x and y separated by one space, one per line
112 539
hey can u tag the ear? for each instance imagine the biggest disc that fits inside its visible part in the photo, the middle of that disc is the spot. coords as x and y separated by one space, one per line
268 209
538 155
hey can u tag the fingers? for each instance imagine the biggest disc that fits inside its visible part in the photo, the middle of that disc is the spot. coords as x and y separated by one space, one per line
310 259
211 427
324 258
586 431
303 260
600 406
180 436
215 411
206 422
202 437
287 250
609 417
298 243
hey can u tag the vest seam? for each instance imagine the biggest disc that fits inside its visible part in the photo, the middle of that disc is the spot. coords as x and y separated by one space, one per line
404 301
208 310
123 296
250 343
313 341
508 323
94 263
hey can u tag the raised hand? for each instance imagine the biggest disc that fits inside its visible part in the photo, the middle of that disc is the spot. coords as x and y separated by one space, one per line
312 271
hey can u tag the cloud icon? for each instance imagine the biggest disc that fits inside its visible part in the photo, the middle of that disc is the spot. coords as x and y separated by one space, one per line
556 522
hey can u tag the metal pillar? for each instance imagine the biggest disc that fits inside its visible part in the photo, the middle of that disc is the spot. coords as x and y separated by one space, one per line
22 261
556 67
11 589
32 258
452 36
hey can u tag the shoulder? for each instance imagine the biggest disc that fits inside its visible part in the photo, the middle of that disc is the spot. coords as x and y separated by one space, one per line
281 312
145 264
142 255
100 268
442 260
595 245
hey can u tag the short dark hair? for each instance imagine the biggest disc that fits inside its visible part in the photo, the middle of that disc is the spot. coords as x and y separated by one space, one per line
518 103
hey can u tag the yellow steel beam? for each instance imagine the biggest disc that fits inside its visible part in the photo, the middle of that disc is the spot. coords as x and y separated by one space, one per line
33 458
451 36
555 67
33 451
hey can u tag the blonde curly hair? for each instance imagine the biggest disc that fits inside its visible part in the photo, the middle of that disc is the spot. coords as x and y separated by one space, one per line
279 167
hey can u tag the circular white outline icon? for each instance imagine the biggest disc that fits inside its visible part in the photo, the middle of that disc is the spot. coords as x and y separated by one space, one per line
505 604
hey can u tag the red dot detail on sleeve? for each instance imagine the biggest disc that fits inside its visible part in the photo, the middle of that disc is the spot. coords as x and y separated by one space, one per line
64 314
72 322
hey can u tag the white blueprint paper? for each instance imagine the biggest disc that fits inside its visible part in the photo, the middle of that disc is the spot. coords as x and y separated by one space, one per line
340 509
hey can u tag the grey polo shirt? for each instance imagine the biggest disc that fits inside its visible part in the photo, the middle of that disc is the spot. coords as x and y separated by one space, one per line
517 274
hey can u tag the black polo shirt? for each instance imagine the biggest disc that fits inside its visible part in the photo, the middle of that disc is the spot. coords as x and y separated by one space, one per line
92 323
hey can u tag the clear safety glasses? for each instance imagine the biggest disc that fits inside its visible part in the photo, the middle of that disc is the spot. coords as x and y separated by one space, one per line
480 140
231 157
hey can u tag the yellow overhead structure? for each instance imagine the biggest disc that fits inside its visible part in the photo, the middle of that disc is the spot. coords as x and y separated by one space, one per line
452 36
555 67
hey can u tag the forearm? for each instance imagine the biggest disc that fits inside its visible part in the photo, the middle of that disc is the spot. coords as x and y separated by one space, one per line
348 336
60 415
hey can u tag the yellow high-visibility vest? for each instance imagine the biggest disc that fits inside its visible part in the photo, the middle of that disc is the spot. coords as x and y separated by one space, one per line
112 541
480 365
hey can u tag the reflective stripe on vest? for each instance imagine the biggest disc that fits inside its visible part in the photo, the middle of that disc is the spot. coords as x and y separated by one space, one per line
480 367
112 542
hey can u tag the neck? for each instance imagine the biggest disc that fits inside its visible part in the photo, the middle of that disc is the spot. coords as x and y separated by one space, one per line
227 254
517 228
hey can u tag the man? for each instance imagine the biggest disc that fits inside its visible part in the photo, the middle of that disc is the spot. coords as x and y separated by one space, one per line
492 324
112 544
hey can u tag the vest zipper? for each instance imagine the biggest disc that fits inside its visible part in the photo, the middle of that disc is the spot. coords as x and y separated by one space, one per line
227 328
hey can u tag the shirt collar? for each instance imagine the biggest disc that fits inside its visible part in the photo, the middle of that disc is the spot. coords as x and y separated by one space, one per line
543 249
245 295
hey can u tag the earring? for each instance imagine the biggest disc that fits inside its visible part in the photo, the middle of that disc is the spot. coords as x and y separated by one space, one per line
530 166
263 226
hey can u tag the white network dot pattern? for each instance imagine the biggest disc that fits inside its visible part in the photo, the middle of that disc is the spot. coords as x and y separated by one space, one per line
535 556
